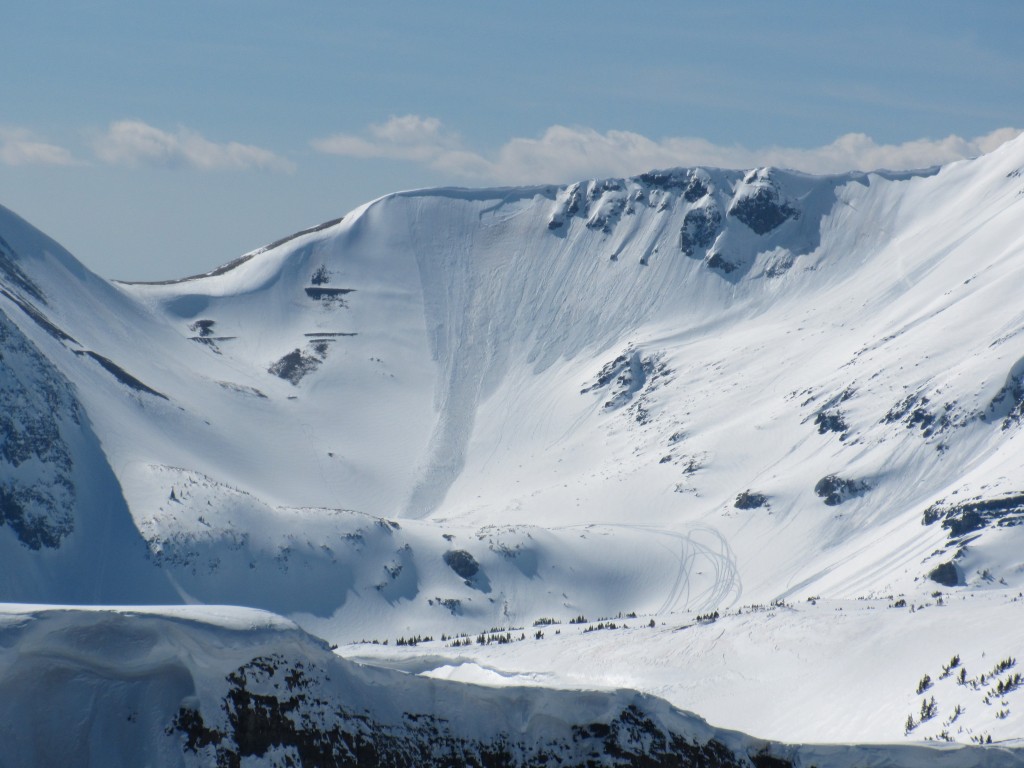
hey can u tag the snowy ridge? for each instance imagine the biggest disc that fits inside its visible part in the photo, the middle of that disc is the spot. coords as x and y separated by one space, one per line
453 410
205 686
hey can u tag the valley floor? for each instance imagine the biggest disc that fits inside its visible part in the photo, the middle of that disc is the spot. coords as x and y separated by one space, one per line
826 671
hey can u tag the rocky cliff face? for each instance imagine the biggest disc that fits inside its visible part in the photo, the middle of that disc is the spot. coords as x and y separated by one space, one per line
37 491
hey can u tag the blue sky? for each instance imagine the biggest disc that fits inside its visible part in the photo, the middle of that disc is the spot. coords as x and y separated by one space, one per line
158 139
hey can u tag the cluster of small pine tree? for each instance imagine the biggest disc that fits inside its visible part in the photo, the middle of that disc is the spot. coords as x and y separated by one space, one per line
414 640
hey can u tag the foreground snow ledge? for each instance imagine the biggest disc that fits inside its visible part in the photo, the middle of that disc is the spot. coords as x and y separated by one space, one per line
218 685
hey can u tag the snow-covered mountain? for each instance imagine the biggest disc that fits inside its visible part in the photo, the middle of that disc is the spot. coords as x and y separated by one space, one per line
695 392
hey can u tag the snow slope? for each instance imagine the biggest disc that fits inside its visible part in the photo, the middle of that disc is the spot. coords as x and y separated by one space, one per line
820 670
452 410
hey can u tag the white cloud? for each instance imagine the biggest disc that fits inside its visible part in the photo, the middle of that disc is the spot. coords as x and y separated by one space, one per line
410 137
859 151
19 147
564 153
134 143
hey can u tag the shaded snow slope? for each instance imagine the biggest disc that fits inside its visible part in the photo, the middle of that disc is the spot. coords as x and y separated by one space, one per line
205 686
